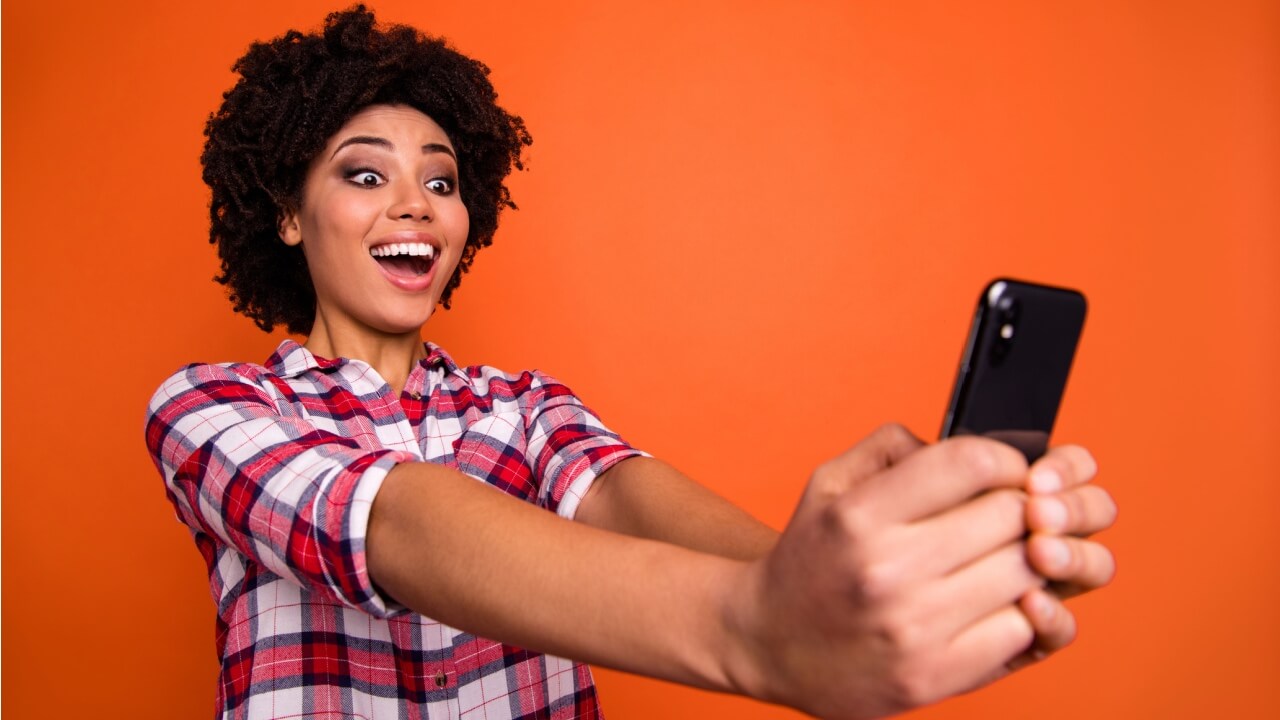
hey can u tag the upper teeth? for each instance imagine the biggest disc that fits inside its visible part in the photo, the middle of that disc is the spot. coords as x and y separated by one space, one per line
403 249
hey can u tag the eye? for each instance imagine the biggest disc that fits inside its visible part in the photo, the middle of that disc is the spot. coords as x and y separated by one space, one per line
365 178
440 185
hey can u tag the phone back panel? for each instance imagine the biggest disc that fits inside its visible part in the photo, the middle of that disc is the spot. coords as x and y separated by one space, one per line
1016 363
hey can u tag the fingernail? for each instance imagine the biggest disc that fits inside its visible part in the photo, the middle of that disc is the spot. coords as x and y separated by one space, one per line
1057 555
1042 607
1045 480
1049 513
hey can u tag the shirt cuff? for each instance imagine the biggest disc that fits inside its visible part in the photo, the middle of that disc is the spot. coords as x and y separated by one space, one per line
371 479
584 472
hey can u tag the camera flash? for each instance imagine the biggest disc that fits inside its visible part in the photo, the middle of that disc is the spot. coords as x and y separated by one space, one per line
1006 331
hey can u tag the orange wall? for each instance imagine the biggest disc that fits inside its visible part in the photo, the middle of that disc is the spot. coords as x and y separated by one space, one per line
750 232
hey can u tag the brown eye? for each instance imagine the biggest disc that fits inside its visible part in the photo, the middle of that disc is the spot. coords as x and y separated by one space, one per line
440 186
365 178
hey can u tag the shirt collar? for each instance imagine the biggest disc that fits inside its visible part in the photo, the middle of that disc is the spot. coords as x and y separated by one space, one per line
437 357
291 360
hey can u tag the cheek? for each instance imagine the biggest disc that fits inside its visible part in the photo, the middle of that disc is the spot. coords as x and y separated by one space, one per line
459 228
344 214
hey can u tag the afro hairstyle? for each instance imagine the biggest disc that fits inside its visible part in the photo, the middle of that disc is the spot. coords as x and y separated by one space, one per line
293 94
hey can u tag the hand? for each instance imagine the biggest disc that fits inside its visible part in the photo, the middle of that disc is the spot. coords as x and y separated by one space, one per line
1062 512
895 584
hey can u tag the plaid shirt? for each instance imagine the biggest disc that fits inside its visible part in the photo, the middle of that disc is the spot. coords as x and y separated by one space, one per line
274 470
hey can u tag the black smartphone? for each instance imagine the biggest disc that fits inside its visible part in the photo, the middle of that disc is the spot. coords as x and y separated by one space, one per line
1015 364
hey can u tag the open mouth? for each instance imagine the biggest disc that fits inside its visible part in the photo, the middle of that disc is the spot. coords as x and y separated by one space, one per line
406 260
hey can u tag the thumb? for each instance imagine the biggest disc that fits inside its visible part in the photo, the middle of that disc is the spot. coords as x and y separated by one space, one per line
887 446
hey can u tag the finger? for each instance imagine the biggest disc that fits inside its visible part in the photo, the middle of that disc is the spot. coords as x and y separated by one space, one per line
981 653
944 542
978 589
1076 562
939 477
882 449
1054 625
1080 511
1062 467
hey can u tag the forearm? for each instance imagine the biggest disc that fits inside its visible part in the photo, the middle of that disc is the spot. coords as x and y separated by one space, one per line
467 555
648 498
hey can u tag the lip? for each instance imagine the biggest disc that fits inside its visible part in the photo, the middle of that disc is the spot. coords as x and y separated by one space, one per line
408 236
415 284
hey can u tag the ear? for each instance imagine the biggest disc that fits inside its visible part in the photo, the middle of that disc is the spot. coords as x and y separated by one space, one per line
288 227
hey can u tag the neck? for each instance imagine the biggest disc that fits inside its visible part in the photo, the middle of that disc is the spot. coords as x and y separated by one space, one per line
393 356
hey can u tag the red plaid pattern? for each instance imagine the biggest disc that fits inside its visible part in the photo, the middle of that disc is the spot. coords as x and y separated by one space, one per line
274 468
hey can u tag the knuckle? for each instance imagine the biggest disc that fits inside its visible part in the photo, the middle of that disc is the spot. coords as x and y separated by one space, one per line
893 432
889 429
906 633
1008 502
826 479
851 527
912 684
890 442
880 581
1005 513
976 455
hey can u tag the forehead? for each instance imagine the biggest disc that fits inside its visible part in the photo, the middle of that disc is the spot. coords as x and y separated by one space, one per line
392 122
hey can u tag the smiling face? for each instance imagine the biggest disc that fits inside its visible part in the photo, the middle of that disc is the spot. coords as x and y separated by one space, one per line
381 223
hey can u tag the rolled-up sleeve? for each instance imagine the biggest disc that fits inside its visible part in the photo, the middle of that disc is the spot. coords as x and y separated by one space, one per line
569 446
240 466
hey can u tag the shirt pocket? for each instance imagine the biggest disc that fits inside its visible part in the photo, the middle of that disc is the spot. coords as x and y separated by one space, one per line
494 449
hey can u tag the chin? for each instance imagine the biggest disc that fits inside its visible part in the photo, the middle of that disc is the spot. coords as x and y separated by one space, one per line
404 324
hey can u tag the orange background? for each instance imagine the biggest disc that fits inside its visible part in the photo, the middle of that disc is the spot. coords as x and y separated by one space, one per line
750 233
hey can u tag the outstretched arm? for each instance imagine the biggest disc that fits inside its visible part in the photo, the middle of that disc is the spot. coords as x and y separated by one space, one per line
896 583
648 498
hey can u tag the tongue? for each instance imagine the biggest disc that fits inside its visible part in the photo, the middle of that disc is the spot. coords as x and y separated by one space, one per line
405 265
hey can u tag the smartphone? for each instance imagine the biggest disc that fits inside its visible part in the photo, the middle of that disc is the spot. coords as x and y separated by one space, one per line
1015 364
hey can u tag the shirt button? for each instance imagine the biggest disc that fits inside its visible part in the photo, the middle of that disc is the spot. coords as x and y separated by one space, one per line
415 395
441 680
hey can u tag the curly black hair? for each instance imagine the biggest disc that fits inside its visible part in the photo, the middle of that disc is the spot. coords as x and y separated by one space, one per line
293 94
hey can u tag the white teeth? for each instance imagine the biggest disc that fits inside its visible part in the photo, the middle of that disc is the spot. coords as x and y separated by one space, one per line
422 249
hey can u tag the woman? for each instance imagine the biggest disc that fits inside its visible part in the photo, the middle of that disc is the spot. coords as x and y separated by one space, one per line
358 567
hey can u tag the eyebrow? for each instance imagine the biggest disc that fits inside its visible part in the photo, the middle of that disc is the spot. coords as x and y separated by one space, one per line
387 145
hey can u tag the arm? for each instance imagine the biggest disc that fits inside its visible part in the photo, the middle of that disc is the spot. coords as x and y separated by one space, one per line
472 557
842 591
895 584
650 499
637 496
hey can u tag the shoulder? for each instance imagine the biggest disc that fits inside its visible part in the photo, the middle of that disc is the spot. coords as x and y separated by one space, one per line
210 376
199 388
200 383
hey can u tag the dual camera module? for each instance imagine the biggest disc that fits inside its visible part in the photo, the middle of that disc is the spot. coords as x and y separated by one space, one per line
1005 321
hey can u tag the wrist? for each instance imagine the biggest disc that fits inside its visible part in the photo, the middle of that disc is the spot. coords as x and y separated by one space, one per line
744 619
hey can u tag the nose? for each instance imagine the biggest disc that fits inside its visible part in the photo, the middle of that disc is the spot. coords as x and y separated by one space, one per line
411 201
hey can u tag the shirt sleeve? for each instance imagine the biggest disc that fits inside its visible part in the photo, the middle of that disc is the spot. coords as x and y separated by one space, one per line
569 446
245 469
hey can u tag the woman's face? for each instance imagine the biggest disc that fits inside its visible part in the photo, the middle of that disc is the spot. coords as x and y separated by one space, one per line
382 224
